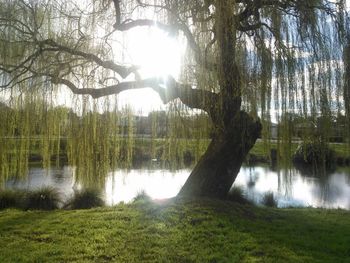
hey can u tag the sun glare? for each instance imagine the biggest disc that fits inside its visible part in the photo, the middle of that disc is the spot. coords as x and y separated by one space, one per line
155 52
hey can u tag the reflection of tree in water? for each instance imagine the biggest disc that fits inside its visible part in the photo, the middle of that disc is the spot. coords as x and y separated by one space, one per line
285 182
321 190
331 189
58 176
325 191
326 188
314 170
253 177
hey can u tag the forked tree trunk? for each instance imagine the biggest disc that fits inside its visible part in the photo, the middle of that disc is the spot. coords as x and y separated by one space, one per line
216 171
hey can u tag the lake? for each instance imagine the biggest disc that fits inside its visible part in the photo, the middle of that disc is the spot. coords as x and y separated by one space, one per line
290 187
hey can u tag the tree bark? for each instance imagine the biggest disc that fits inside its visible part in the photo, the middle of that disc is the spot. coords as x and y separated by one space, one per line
235 131
218 168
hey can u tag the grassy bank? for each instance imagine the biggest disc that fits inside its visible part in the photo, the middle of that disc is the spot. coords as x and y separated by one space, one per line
202 231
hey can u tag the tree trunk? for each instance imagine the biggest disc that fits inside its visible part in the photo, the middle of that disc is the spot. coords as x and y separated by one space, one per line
235 131
216 171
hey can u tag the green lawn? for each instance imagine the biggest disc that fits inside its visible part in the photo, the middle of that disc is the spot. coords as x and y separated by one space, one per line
201 231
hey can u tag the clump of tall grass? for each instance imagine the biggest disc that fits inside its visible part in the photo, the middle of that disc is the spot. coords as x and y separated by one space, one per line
11 198
269 200
46 198
142 196
236 194
85 199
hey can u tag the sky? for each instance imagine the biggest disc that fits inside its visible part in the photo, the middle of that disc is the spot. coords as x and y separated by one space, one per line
157 54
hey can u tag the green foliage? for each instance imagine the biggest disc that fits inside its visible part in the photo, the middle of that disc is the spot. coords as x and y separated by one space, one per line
315 154
85 199
292 66
94 143
142 196
201 231
269 200
11 198
46 198
236 194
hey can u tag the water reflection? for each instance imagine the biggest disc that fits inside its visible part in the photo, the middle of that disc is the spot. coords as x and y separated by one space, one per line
289 186
60 178
124 185
293 189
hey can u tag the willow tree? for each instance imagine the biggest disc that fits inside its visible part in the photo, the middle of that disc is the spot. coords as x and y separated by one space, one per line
244 58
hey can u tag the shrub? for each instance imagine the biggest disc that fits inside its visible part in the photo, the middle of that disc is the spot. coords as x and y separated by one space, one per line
188 158
85 199
46 198
236 194
141 154
315 154
11 198
142 196
269 200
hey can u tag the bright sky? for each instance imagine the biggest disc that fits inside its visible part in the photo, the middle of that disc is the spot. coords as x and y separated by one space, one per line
158 55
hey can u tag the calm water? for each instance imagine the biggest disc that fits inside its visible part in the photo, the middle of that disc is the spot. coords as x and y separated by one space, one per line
290 187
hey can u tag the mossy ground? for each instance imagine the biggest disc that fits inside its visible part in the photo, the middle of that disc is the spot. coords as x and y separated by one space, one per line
176 231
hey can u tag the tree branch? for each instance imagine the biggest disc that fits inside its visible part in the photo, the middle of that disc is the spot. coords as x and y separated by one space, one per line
117 11
129 24
123 71
253 7
168 89
109 90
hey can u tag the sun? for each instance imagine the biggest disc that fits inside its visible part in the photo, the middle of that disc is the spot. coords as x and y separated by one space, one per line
157 55
155 52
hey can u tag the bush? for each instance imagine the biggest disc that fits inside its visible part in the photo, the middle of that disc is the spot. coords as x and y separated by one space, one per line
269 200
315 154
11 198
85 199
142 196
188 158
46 198
141 154
236 194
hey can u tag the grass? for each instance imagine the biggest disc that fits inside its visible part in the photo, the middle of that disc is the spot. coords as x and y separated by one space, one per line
11 198
269 200
85 199
46 198
236 194
174 231
142 196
